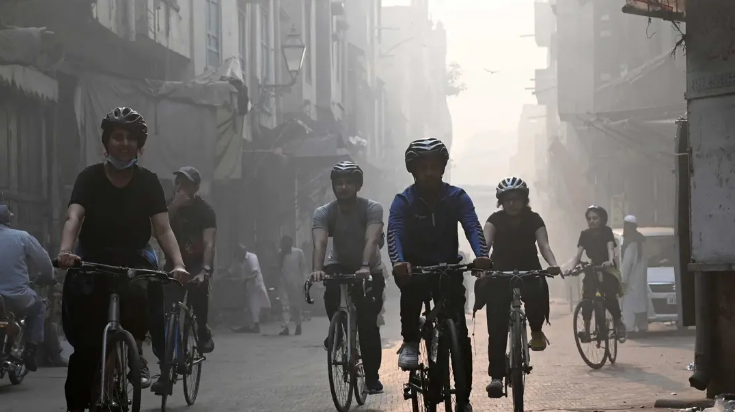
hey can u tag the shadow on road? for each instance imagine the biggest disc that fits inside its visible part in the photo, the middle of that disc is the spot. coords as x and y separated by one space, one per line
636 374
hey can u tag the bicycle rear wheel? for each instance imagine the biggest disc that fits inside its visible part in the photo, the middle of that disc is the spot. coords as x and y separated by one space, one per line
450 356
517 363
167 370
122 391
193 359
359 386
593 346
419 379
339 367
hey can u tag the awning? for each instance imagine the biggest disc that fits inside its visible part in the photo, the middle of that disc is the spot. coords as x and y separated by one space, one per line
30 81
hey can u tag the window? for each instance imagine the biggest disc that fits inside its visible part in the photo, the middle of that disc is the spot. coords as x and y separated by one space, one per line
242 37
265 47
308 40
214 17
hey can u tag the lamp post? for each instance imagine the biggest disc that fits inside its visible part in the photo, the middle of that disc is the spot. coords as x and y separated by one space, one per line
293 51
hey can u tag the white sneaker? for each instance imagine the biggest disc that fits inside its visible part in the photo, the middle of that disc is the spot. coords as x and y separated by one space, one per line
409 356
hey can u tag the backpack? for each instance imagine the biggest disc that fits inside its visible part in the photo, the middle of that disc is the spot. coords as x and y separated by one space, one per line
332 211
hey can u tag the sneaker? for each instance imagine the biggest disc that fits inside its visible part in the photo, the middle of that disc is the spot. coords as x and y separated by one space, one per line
538 342
468 407
374 388
284 332
159 387
409 356
584 336
495 388
298 330
145 374
247 329
206 342
621 331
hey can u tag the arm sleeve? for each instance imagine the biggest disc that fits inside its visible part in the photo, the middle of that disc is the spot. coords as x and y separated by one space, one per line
157 198
395 233
40 260
375 213
537 222
582 240
209 218
608 236
81 193
471 225
319 220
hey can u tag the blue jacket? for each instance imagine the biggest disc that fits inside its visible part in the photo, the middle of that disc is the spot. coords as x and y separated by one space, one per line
425 235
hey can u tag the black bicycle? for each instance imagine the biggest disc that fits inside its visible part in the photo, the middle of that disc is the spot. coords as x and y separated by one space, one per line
441 373
518 363
344 361
598 342
120 365
183 357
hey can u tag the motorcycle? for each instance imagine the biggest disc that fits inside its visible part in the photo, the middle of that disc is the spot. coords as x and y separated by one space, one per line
12 345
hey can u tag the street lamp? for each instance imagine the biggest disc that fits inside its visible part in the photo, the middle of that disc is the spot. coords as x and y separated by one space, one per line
293 51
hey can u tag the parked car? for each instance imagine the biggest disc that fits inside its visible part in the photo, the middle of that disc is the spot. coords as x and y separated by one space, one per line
659 250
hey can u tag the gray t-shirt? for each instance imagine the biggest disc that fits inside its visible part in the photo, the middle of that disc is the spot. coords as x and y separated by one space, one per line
348 239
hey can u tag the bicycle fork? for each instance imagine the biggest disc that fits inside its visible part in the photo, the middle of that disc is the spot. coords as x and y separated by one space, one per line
345 306
113 325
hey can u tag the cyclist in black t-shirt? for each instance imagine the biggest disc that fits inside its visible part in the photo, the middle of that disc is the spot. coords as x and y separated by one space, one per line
599 244
513 233
195 227
115 203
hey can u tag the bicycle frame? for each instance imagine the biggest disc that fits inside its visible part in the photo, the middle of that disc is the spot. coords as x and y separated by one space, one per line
113 325
516 314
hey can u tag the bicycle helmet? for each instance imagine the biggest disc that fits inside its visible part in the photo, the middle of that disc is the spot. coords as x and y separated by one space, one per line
511 184
125 118
600 211
347 168
425 147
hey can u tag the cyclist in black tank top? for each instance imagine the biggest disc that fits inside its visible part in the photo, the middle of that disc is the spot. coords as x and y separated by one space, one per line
514 233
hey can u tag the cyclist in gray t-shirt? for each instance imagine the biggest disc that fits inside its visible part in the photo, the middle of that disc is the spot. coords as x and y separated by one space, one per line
356 227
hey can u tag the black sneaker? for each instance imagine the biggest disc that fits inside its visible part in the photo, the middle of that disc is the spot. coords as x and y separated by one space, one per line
145 374
159 387
29 357
205 341
374 388
298 330
284 332
495 388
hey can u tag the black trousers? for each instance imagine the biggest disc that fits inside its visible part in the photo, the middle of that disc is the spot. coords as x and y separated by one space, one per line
498 296
367 309
608 288
415 291
85 303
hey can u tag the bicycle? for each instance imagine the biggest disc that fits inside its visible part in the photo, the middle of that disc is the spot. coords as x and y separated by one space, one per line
603 337
188 365
518 363
442 354
119 349
344 361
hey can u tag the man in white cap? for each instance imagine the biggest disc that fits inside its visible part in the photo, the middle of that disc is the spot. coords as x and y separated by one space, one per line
634 275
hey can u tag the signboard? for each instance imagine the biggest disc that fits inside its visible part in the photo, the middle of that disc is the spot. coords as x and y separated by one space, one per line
663 9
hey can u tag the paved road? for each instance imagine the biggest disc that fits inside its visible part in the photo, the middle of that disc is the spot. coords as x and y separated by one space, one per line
272 373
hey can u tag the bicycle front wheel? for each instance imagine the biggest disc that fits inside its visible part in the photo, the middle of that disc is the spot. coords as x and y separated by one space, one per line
359 386
517 362
339 366
121 391
193 359
590 339
453 367
167 369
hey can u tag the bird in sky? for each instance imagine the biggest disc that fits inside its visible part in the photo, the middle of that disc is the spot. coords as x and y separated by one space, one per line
491 71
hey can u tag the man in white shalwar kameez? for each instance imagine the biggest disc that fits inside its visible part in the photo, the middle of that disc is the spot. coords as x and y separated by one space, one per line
294 273
246 266
634 274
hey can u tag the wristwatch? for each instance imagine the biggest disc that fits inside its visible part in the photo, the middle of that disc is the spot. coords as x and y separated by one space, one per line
207 269
365 264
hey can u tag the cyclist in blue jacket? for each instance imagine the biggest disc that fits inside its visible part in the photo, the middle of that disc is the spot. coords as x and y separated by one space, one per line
422 230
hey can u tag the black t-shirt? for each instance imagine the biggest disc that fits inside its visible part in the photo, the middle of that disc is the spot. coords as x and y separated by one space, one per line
515 241
188 224
117 218
595 243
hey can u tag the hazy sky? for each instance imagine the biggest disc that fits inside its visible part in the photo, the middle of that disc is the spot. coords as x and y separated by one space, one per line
485 34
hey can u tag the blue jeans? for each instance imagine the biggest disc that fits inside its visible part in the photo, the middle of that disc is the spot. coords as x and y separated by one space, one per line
34 314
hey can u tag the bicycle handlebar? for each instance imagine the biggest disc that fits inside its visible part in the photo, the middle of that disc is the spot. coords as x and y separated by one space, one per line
512 273
130 273
583 266
337 276
440 269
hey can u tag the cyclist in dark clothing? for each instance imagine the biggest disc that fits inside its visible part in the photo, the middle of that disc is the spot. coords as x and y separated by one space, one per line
194 224
115 203
422 230
599 244
514 234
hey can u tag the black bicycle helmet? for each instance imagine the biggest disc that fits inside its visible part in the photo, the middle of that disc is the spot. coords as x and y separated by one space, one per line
425 147
125 118
347 168
600 211
511 184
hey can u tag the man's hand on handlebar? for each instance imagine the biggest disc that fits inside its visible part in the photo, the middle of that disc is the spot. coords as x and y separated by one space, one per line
402 270
180 274
68 260
482 263
554 270
317 276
